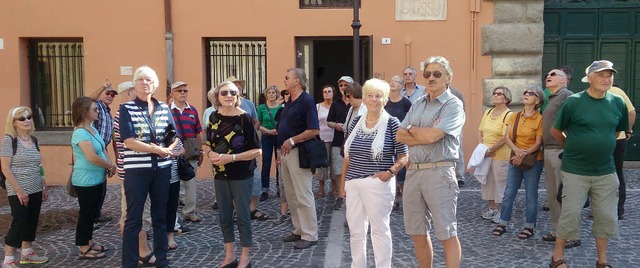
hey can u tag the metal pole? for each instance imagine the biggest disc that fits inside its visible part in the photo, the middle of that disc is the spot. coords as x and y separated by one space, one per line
356 41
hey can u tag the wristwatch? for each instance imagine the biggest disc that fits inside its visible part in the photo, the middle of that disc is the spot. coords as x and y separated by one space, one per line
292 142
409 128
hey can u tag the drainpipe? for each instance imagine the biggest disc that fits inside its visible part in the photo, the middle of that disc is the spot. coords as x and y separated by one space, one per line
356 41
168 36
474 8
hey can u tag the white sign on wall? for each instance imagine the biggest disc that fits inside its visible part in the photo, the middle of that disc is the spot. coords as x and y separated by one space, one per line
1 43
421 10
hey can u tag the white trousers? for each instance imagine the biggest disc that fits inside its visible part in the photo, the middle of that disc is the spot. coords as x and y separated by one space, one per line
369 201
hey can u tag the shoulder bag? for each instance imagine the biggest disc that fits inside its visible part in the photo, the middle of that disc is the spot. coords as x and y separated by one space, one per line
312 154
530 160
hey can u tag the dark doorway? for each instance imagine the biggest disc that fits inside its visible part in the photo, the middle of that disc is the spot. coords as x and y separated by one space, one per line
326 59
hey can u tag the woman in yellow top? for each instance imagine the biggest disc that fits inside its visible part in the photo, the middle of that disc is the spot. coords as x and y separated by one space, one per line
527 140
491 133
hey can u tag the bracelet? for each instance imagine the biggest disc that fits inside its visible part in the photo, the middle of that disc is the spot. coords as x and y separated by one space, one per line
391 171
233 158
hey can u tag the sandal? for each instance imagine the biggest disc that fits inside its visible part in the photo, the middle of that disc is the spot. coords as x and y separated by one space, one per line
549 237
146 261
499 230
526 233
555 264
262 217
173 245
319 194
603 265
99 248
91 254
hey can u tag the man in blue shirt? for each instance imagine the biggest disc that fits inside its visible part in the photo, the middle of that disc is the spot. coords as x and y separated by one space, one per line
411 89
298 123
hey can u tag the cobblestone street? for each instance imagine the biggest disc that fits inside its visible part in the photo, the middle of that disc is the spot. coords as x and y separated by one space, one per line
203 246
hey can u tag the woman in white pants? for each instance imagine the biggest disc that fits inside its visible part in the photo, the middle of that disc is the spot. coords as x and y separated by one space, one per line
368 175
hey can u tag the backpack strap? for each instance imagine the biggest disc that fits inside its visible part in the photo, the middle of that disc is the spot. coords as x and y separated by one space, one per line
35 141
14 144
505 116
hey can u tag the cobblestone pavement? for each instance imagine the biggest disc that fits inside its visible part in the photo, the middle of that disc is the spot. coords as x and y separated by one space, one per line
203 247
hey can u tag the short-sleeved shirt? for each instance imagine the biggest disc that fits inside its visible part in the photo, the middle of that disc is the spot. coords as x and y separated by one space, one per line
104 124
205 120
267 116
493 130
529 128
296 117
190 127
554 101
232 135
398 109
361 162
423 113
85 173
591 125
338 114
418 91
248 106
630 108
25 166
326 133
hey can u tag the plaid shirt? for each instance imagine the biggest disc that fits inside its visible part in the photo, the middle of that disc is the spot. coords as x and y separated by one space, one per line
104 124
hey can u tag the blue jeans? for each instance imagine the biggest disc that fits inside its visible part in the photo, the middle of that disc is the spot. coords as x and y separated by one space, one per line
138 183
269 143
531 178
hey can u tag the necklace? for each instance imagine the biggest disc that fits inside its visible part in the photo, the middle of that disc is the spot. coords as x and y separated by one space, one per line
27 139
371 122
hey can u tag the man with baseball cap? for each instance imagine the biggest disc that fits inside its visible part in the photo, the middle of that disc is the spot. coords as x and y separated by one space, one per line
586 125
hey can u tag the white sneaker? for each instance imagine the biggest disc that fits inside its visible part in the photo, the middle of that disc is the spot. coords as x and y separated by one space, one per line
489 214
11 264
496 217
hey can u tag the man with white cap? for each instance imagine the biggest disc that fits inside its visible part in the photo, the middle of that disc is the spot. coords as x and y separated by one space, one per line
188 128
335 119
587 125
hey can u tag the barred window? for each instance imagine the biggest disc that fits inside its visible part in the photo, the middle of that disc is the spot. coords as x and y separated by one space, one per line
333 4
244 59
56 70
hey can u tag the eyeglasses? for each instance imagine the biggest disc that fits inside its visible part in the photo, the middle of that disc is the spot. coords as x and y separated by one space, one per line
23 118
327 91
530 93
181 90
436 74
498 94
224 93
343 85
111 93
348 96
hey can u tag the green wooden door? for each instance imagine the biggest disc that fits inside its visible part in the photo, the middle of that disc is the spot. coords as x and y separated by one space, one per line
578 32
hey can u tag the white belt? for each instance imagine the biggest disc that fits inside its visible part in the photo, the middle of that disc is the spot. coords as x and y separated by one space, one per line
432 165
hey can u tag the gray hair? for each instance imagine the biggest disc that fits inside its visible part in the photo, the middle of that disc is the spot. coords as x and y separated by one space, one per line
397 78
215 92
506 91
410 68
146 70
439 60
300 74
539 94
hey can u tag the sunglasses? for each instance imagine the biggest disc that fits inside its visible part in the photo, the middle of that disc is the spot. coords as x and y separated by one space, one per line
23 118
553 74
327 91
181 90
347 95
498 94
227 92
436 74
530 93
111 93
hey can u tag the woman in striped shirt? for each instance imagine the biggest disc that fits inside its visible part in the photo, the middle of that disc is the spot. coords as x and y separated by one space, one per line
26 188
372 157
147 166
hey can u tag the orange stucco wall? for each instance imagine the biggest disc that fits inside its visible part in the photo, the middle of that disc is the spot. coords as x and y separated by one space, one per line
131 33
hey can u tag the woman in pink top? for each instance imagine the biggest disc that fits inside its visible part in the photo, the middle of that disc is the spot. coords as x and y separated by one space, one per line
326 134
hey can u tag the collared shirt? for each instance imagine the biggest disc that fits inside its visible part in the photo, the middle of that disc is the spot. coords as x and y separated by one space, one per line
418 91
190 127
104 124
423 113
549 116
296 117
135 122
527 131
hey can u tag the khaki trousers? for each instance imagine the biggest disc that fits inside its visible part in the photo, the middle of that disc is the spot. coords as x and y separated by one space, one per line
297 184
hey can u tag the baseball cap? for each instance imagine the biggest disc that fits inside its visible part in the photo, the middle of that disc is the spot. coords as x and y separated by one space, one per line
177 84
347 79
596 67
124 86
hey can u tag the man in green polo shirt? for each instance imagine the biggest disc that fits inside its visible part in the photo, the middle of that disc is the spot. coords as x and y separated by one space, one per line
587 125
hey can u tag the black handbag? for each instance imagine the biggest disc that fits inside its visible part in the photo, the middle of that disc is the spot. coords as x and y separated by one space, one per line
313 154
185 170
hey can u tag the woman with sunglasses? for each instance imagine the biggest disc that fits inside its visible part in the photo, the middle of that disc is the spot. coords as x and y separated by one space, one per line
90 169
326 134
491 133
527 140
266 116
26 188
232 145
